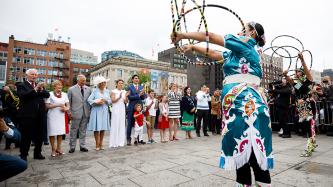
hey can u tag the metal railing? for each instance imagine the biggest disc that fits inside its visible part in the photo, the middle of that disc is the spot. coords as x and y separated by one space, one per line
324 113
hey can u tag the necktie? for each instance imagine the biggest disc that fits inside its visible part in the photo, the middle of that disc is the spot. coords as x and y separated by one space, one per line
136 87
33 85
82 91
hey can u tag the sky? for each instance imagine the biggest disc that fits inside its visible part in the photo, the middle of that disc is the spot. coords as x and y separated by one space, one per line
144 26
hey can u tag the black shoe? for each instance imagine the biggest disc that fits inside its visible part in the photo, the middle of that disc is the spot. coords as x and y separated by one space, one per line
46 143
198 134
72 150
142 142
39 157
286 136
129 142
32 144
83 149
280 135
135 142
206 134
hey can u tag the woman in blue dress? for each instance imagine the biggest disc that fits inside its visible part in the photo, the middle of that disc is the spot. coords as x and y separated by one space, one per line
247 134
99 116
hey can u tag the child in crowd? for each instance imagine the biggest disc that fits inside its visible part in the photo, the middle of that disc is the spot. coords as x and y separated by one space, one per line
151 107
138 124
163 122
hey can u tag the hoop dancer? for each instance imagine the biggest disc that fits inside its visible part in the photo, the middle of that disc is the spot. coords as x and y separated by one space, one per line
247 134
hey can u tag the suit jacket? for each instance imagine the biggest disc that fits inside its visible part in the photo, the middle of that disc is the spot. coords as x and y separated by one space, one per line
134 97
31 102
78 104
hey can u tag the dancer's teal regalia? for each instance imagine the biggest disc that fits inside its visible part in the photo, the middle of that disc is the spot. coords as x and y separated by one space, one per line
246 120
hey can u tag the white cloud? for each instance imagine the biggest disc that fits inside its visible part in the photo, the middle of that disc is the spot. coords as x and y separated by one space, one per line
138 26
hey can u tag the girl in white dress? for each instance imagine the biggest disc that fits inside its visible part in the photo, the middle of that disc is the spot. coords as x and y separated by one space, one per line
57 104
118 115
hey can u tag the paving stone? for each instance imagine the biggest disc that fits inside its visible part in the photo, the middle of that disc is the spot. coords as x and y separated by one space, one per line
82 169
183 159
290 159
195 170
120 183
179 163
161 179
35 175
82 180
207 153
306 174
280 167
116 174
153 166
209 181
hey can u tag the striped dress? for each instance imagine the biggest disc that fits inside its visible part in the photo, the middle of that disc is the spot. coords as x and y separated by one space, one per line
174 105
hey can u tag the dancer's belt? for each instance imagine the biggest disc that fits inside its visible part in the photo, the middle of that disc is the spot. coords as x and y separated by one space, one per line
242 78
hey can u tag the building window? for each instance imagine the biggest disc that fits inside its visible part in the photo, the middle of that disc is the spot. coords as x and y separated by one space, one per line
154 85
29 61
41 53
119 73
82 70
42 71
53 54
17 49
2 72
41 62
76 70
25 69
16 59
28 51
53 63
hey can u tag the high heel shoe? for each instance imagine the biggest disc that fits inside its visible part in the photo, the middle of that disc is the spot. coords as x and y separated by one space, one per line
60 152
53 154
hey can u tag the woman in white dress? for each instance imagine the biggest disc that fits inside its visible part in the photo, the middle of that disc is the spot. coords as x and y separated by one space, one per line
118 115
57 104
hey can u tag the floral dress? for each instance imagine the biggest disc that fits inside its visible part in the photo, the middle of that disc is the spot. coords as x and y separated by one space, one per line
305 105
246 121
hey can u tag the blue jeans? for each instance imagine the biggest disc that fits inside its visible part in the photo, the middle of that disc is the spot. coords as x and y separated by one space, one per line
11 166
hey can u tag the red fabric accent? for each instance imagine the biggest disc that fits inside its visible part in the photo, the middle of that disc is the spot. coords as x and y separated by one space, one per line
163 122
139 119
66 123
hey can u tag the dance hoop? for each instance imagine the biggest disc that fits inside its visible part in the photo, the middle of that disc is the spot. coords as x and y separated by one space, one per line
203 20
276 49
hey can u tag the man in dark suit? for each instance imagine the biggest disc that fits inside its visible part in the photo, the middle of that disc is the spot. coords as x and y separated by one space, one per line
136 95
30 113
